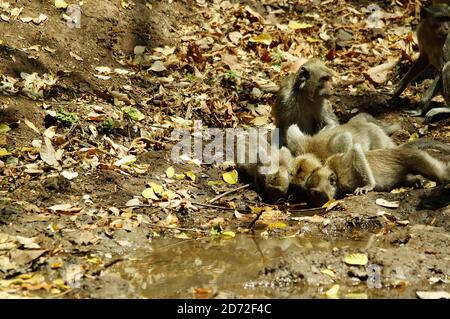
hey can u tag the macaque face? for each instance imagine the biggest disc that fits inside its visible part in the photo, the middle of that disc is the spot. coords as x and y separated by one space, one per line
321 186
314 79
437 18
442 28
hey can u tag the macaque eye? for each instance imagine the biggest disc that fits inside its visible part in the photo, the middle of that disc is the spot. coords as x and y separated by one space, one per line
325 78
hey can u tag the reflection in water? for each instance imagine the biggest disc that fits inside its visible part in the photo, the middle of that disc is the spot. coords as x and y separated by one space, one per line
174 268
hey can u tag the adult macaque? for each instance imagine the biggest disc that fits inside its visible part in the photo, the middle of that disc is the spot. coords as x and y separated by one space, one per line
431 34
303 100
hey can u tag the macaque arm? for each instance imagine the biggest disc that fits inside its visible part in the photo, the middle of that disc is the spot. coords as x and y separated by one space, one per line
420 65
295 139
362 168
329 118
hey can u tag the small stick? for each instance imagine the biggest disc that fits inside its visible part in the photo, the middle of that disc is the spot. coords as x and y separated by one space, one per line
181 228
229 192
86 144
252 223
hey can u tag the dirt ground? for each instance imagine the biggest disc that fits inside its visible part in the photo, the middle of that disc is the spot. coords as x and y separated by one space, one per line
68 229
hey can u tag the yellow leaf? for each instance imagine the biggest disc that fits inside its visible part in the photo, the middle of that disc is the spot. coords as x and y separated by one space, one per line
158 189
413 137
264 38
190 175
4 152
170 172
230 177
212 183
149 194
168 195
299 25
331 201
277 225
60 4
180 176
228 234
332 293
182 235
328 272
4 128
356 259
312 40
356 295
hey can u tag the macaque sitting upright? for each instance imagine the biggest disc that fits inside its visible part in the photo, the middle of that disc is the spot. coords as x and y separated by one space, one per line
431 34
303 100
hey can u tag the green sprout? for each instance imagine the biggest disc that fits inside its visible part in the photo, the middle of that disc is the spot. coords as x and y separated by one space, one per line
278 57
109 126
231 77
66 118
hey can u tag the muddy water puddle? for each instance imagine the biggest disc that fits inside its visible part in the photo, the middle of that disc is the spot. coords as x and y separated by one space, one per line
239 267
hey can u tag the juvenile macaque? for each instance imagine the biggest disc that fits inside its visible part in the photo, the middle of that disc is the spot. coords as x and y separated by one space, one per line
310 177
384 169
268 169
431 34
303 100
335 140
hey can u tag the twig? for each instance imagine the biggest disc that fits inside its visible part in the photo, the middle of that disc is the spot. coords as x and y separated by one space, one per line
229 192
181 228
252 223
86 144
221 207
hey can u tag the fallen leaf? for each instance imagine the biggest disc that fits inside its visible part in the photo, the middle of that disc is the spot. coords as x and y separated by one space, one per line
158 189
157 66
433 294
263 38
4 128
47 153
170 172
379 74
69 174
299 25
149 194
61 4
190 175
328 272
333 292
356 259
230 177
384 203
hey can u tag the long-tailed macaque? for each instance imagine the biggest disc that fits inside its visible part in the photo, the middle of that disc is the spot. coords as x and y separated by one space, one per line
303 100
384 169
431 34
335 140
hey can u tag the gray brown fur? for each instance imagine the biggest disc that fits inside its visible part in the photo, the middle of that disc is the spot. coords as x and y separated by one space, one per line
335 140
431 34
302 100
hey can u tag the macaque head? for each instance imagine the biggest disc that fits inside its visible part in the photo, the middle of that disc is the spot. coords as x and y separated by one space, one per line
301 168
321 186
314 79
437 19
